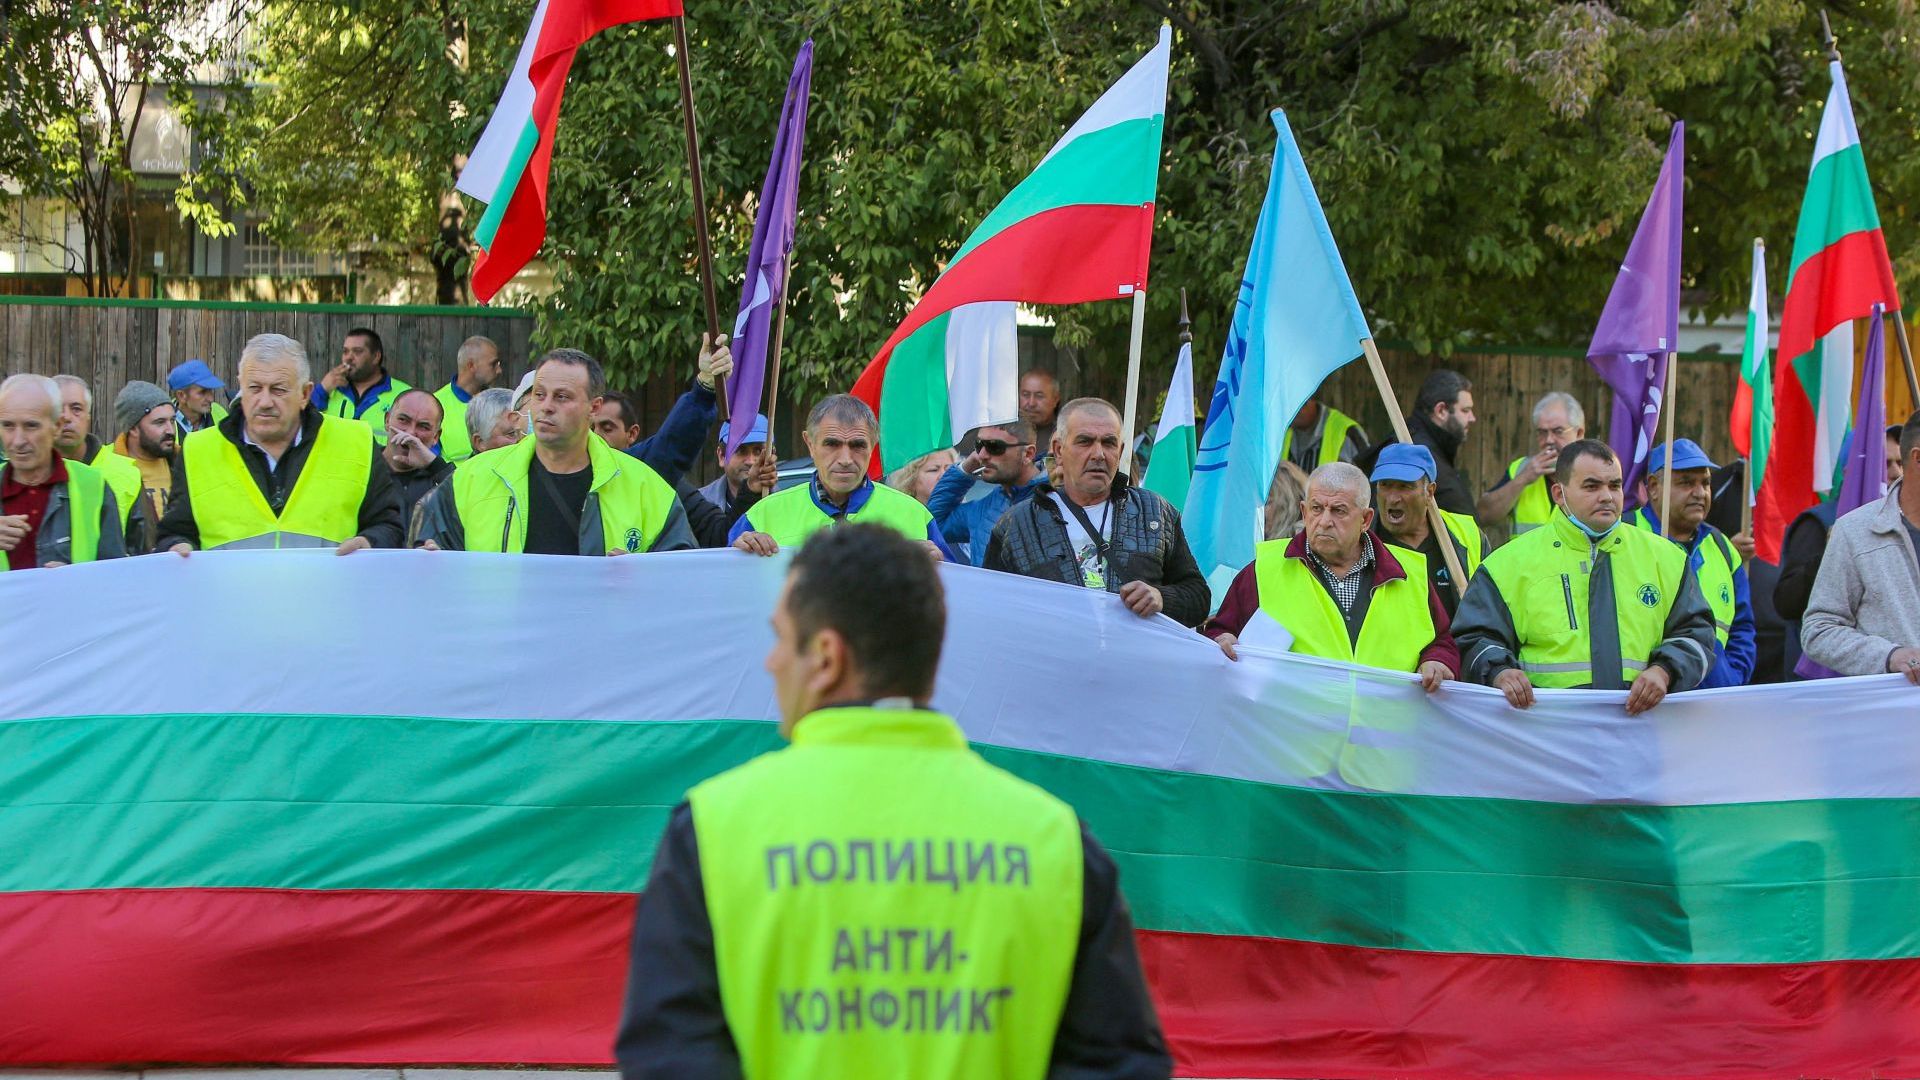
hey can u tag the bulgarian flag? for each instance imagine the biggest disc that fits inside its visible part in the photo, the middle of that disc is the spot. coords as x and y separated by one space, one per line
1170 466
508 167
1752 419
1076 229
216 857
1839 270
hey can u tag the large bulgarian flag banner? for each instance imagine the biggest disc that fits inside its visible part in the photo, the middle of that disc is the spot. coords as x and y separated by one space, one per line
1838 271
271 836
1077 229
509 165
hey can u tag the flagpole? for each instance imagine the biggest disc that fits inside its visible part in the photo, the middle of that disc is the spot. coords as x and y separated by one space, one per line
1133 375
704 244
779 344
1442 538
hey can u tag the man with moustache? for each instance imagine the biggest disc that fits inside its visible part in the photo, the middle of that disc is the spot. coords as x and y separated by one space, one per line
145 416
1403 482
1521 501
1003 456
1718 560
358 387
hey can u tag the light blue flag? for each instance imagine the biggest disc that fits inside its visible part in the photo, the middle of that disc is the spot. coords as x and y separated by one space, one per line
1295 322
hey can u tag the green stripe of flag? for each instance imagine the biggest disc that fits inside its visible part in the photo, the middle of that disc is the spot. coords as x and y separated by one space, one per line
1839 202
410 803
523 149
914 407
1117 165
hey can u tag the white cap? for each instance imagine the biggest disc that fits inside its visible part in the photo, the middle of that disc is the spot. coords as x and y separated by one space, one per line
520 392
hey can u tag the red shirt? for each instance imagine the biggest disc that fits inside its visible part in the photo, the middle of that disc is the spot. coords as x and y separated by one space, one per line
19 498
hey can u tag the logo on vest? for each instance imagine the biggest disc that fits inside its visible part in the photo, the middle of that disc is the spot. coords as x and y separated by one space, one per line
1649 595
1726 595
633 540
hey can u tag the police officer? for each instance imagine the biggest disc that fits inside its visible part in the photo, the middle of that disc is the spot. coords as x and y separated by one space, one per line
1715 556
1584 602
276 472
876 900
562 492
840 435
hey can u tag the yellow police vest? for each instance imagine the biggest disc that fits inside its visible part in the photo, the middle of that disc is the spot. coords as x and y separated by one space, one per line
1398 623
1715 573
323 509
123 476
791 516
886 904
1545 575
490 494
1332 438
1535 505
375 414
1467 531
86 488
456 445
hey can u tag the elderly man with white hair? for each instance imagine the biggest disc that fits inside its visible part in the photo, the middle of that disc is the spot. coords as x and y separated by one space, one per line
1521 501
1342 593
52 511
278 472
492 421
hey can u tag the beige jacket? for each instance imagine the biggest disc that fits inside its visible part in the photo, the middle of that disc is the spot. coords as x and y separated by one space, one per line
1866 601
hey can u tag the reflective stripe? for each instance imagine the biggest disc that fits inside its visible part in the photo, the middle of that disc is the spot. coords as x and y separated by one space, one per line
1633 665
1556 668
277 541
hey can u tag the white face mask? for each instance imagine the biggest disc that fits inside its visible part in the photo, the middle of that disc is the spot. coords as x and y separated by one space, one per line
1587 529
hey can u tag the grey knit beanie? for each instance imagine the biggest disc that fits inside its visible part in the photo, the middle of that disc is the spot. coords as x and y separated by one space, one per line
136 400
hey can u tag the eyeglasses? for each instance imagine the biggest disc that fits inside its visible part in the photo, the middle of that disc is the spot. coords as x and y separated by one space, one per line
1553 433
994 447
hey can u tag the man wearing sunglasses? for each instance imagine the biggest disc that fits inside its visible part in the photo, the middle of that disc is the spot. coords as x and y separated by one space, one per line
1002 456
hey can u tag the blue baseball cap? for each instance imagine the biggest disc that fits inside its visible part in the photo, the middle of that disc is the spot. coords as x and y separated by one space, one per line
193 373
756 434
1686 455
1404 461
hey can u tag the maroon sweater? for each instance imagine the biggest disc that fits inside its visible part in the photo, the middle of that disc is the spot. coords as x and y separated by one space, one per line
1243 600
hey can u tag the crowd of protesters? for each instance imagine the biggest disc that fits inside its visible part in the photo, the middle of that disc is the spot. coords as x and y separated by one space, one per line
1379 554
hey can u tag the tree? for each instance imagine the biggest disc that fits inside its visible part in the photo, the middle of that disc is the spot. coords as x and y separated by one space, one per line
78 74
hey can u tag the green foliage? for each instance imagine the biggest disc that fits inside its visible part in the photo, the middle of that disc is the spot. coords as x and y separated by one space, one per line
1482 162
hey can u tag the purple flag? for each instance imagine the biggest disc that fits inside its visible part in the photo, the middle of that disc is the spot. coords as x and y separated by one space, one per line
1640 327
1866 464
1866 468
766 282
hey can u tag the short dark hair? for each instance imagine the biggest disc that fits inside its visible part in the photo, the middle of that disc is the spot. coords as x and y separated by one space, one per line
1574 451
596 375
412 390
1444 385
1019 429
880 592
373 339
1910 438
628 418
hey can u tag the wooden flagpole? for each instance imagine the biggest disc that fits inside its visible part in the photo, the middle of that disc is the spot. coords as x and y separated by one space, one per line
1441 535
1666 406
779 345
1133 378
700 237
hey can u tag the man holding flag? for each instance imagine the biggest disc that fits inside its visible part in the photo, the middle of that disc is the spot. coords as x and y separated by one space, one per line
1686 485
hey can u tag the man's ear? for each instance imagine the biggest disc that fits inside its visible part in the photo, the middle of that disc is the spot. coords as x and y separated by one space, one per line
828 660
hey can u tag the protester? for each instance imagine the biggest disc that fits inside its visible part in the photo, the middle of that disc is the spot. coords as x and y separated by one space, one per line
1716 559
1284 495
1003 458
492 420
673 449
1097 530
1864 616
144 415
746 476
840 437
239 484
1321 434
1894 464
1625 608
562 492
1403 476
1040 406
1442 415
76 442
615 421
1341 594
413 430
738 915
919 476
194 388
52 511
1521 502
477 368
359 387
